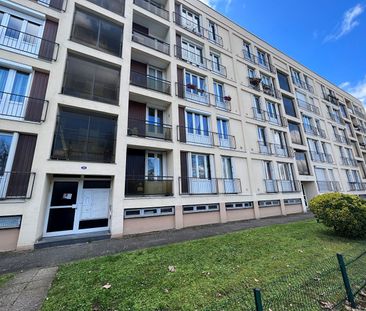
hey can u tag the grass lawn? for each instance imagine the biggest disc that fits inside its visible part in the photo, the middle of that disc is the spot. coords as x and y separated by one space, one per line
4 278
206 272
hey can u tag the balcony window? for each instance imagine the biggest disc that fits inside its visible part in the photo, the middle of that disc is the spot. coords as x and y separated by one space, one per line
289 106
225 140
116 6
192 53
283 80
197 130
195 89
295 133
90 79
97 32
302 163
190 21
82 136
5 145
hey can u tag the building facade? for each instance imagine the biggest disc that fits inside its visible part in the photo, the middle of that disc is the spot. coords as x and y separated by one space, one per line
122 117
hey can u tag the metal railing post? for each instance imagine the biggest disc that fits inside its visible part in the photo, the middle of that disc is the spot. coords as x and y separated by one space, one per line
346 281
258 299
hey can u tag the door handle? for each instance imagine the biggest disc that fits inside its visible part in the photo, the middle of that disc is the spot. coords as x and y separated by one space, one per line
74 206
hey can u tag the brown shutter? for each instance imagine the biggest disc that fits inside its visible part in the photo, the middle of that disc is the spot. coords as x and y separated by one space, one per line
23 159
138 73
57 4
136 119
184 171
47 48
178 51
177 14
37 97
182 124
135 171
180 77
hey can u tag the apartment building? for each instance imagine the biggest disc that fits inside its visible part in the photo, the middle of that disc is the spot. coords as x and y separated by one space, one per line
122 117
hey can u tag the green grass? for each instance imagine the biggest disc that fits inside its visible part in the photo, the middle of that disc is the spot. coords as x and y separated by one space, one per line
208 271
4 278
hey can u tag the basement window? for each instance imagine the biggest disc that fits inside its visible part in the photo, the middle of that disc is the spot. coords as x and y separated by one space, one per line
292 201
269 203
200 208
240 205
10 222
149 212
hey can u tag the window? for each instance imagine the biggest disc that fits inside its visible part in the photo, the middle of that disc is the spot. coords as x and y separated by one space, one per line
295 133
289 106
223 128
213 32
296 77
97 32
89 79
262 59
149 212
269 203
200 208
5 145
10 222
262 135
196 88
247 50
283 80
197 124
227 168
192 53
116 6
82 136
292 201
240 205
273 113
302 163
216 65
200 166
154 165
190 20
251 72
219 95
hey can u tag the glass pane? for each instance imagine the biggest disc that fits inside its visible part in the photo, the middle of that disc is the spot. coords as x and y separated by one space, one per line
194 166
85 27
201 167
190 122
14 27
5 143
110 37
31 35
19 87
64 193
3 78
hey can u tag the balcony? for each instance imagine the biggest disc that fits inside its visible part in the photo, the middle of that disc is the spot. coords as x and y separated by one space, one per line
145 128
150 82
58 5
342 139
151 42
303 84
28 44
264 64
332 99
321 157
265 116
336 118
197 29
329 186
149 185
16 185
229 185
284 186
257 84
357 186
314 131
348 161
19 107
275 150
192 185
359 113
308 107
204 137
153 7
199 61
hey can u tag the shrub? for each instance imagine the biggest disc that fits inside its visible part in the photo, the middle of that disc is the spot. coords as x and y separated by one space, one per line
343 212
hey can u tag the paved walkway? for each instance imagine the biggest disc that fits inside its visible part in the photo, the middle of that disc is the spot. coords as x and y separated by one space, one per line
27 290
54 256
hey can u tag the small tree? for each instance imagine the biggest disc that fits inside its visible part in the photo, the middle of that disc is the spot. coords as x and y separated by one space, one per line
345 213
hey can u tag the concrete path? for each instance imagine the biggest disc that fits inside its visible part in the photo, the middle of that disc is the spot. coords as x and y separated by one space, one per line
27 290
54 256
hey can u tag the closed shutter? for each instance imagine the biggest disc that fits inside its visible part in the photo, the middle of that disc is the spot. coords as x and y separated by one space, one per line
184 171
138 74
178 51
20 175
177 14
182 125
135 171
47 48
136 119
37 97
180 77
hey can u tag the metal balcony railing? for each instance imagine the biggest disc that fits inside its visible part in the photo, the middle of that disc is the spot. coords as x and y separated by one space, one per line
58 5
264 64
342 139
16 185
331 98
153 7
151 42
321 157
149 185
265 116
229 185
257 84
357 186
307 106
21 107
197 29
193 185
279 185
150 82
275 149
348 161
199 61
329 186
28 44
145 128
303 84
336 118
204 137
313 130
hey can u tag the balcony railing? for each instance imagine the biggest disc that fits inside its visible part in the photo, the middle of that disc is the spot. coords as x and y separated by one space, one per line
204 137
257 84
302 84
359 113
192 185
315 131
145 128
342 139
357 186
229 185
336 118
150 42
265 116
321 157
348 161
275 149
28 44
19 107
16 185
149 185
331 98
59 5
258 61
285 186
153 7
307 106
197 29
150 82
329 186
199 61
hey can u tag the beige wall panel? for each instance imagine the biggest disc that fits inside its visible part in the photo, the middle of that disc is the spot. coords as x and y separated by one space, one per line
294 209
8 239
270 211
240 214
149 224
198 219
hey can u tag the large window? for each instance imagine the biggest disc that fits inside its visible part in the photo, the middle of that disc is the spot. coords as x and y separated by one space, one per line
97 32
283 79
81 136
116 6
302 163
5 144
92 80
289 106
295 133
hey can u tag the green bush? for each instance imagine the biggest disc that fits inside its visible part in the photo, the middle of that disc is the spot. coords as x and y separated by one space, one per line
343 212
